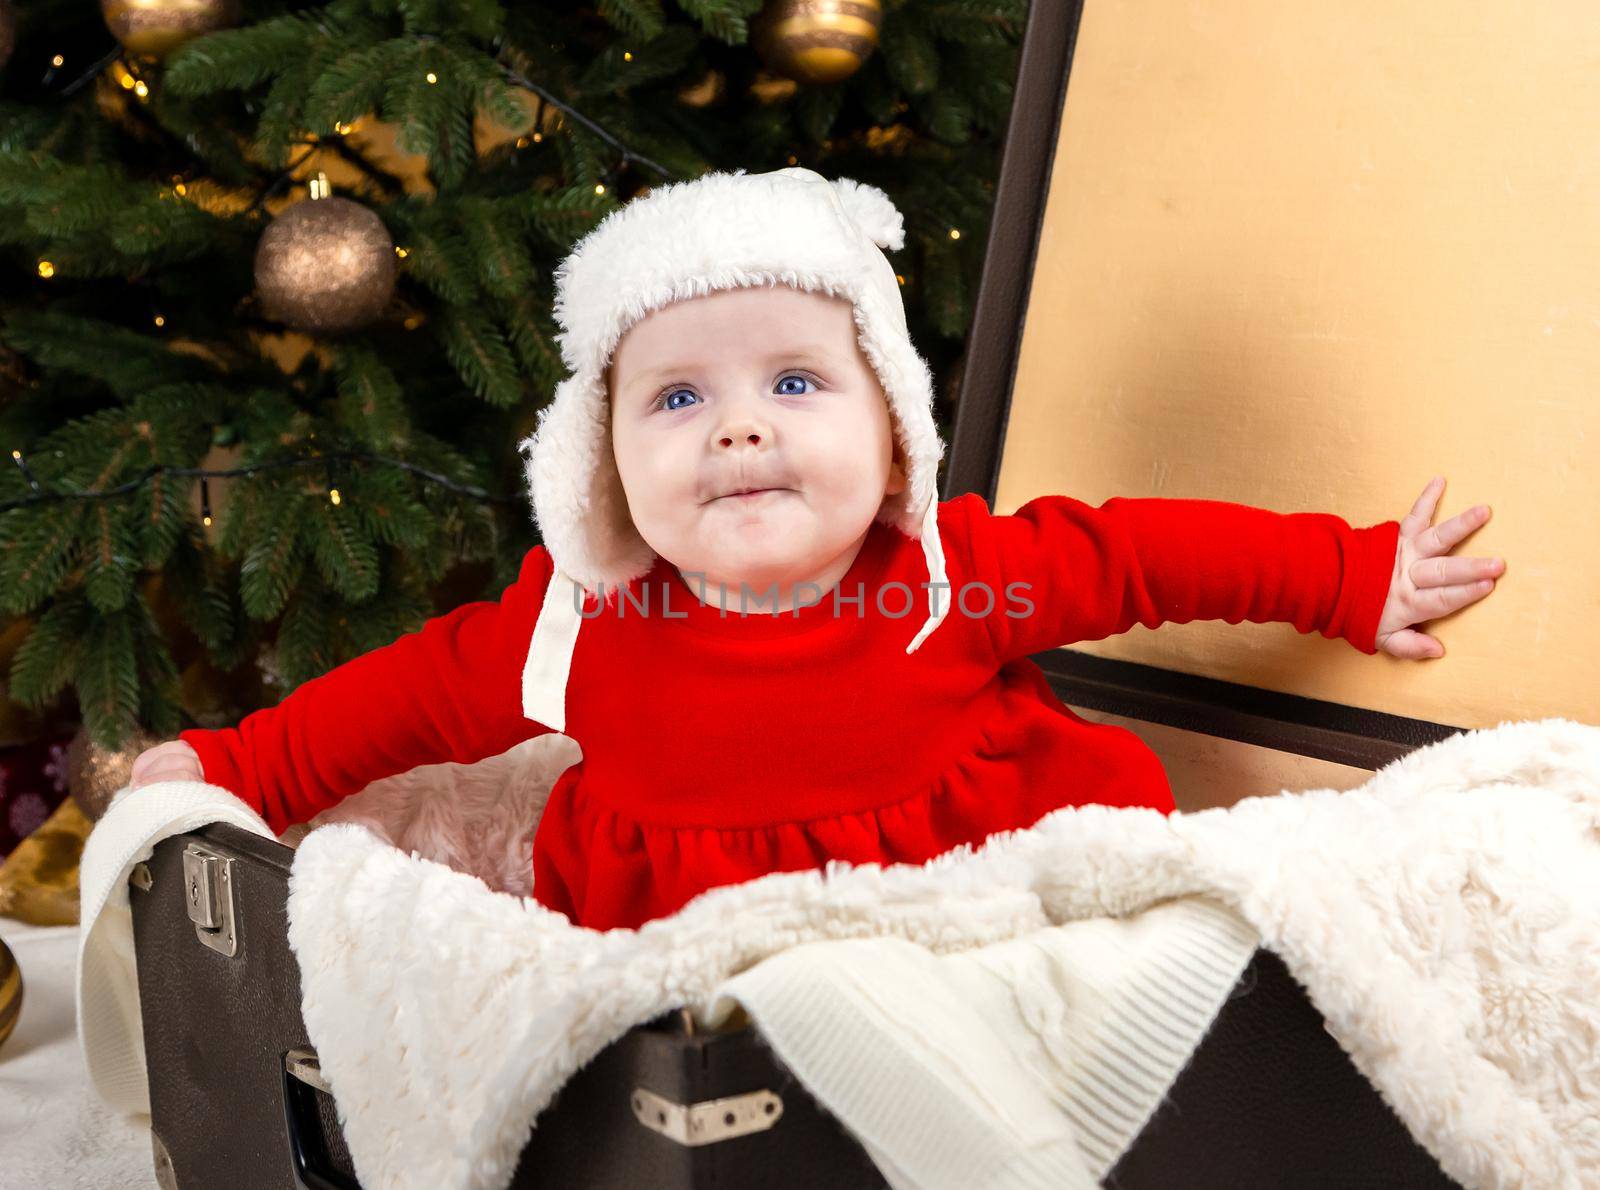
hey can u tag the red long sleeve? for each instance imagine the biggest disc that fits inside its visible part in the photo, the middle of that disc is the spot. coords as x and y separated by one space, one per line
1095 572
450 691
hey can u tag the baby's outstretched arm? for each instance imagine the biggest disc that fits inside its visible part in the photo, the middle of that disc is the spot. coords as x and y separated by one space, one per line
1094 572
1427 583
450 691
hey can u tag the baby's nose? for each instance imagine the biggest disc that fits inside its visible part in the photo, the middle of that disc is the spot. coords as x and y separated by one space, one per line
742 432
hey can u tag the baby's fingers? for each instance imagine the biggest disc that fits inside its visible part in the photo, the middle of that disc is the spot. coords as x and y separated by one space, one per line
170 771
1411 645
1433 602
1441 539
1445 570
157 754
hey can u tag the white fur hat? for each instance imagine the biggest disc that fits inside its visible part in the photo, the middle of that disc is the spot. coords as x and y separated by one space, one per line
683 240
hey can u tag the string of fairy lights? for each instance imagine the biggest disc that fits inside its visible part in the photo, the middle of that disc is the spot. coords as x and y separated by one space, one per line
41 495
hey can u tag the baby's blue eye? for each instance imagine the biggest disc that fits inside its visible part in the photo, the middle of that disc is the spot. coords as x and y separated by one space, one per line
666 398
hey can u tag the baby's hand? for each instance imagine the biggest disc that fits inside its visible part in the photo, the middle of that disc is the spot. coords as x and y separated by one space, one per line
172 760
1426 583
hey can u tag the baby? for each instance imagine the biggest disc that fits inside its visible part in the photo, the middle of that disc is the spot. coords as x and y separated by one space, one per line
774 646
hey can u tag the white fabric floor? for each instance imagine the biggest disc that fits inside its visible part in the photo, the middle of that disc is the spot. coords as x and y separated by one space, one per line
54 1131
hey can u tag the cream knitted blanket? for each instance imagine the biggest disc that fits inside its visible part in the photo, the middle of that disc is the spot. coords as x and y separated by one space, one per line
1444 917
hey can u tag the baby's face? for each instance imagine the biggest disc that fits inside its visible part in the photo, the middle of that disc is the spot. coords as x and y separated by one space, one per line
751 387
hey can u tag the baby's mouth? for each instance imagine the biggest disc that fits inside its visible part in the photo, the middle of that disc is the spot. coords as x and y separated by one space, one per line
747 495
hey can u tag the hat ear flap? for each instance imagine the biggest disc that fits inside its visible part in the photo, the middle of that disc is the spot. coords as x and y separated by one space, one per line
873 211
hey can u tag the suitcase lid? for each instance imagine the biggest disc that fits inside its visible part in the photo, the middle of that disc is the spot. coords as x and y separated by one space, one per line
1200 195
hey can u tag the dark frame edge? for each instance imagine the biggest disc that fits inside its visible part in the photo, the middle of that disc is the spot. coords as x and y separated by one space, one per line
1332 731
1027 159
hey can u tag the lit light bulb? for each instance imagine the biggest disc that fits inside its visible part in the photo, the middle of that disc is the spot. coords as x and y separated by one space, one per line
46 269
57 60
954 234
333 494
432 78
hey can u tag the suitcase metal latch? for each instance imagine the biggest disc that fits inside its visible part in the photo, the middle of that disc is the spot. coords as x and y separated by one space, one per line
208 891
710 1120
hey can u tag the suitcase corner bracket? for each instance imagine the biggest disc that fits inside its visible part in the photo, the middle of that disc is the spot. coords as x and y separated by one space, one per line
710 1120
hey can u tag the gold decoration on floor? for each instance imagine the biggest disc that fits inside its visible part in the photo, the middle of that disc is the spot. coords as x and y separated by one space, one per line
39 879
10 992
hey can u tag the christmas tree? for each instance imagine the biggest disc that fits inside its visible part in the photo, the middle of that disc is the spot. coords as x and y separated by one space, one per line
278 296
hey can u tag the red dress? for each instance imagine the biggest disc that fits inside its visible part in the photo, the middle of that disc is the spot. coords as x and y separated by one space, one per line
718 748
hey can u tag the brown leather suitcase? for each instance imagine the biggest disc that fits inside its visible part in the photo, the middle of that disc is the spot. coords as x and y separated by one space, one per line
236 1100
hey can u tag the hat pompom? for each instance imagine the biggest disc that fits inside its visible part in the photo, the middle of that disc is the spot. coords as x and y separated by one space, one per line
873 211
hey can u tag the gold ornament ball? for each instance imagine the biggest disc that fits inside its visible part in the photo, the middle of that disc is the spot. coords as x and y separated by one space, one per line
816 41
94 773
10 992
326 265
154 28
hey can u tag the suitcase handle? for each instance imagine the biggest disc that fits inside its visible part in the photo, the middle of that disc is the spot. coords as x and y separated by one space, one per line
313 1168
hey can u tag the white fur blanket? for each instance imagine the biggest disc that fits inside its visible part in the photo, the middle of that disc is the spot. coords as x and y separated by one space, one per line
1444 917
